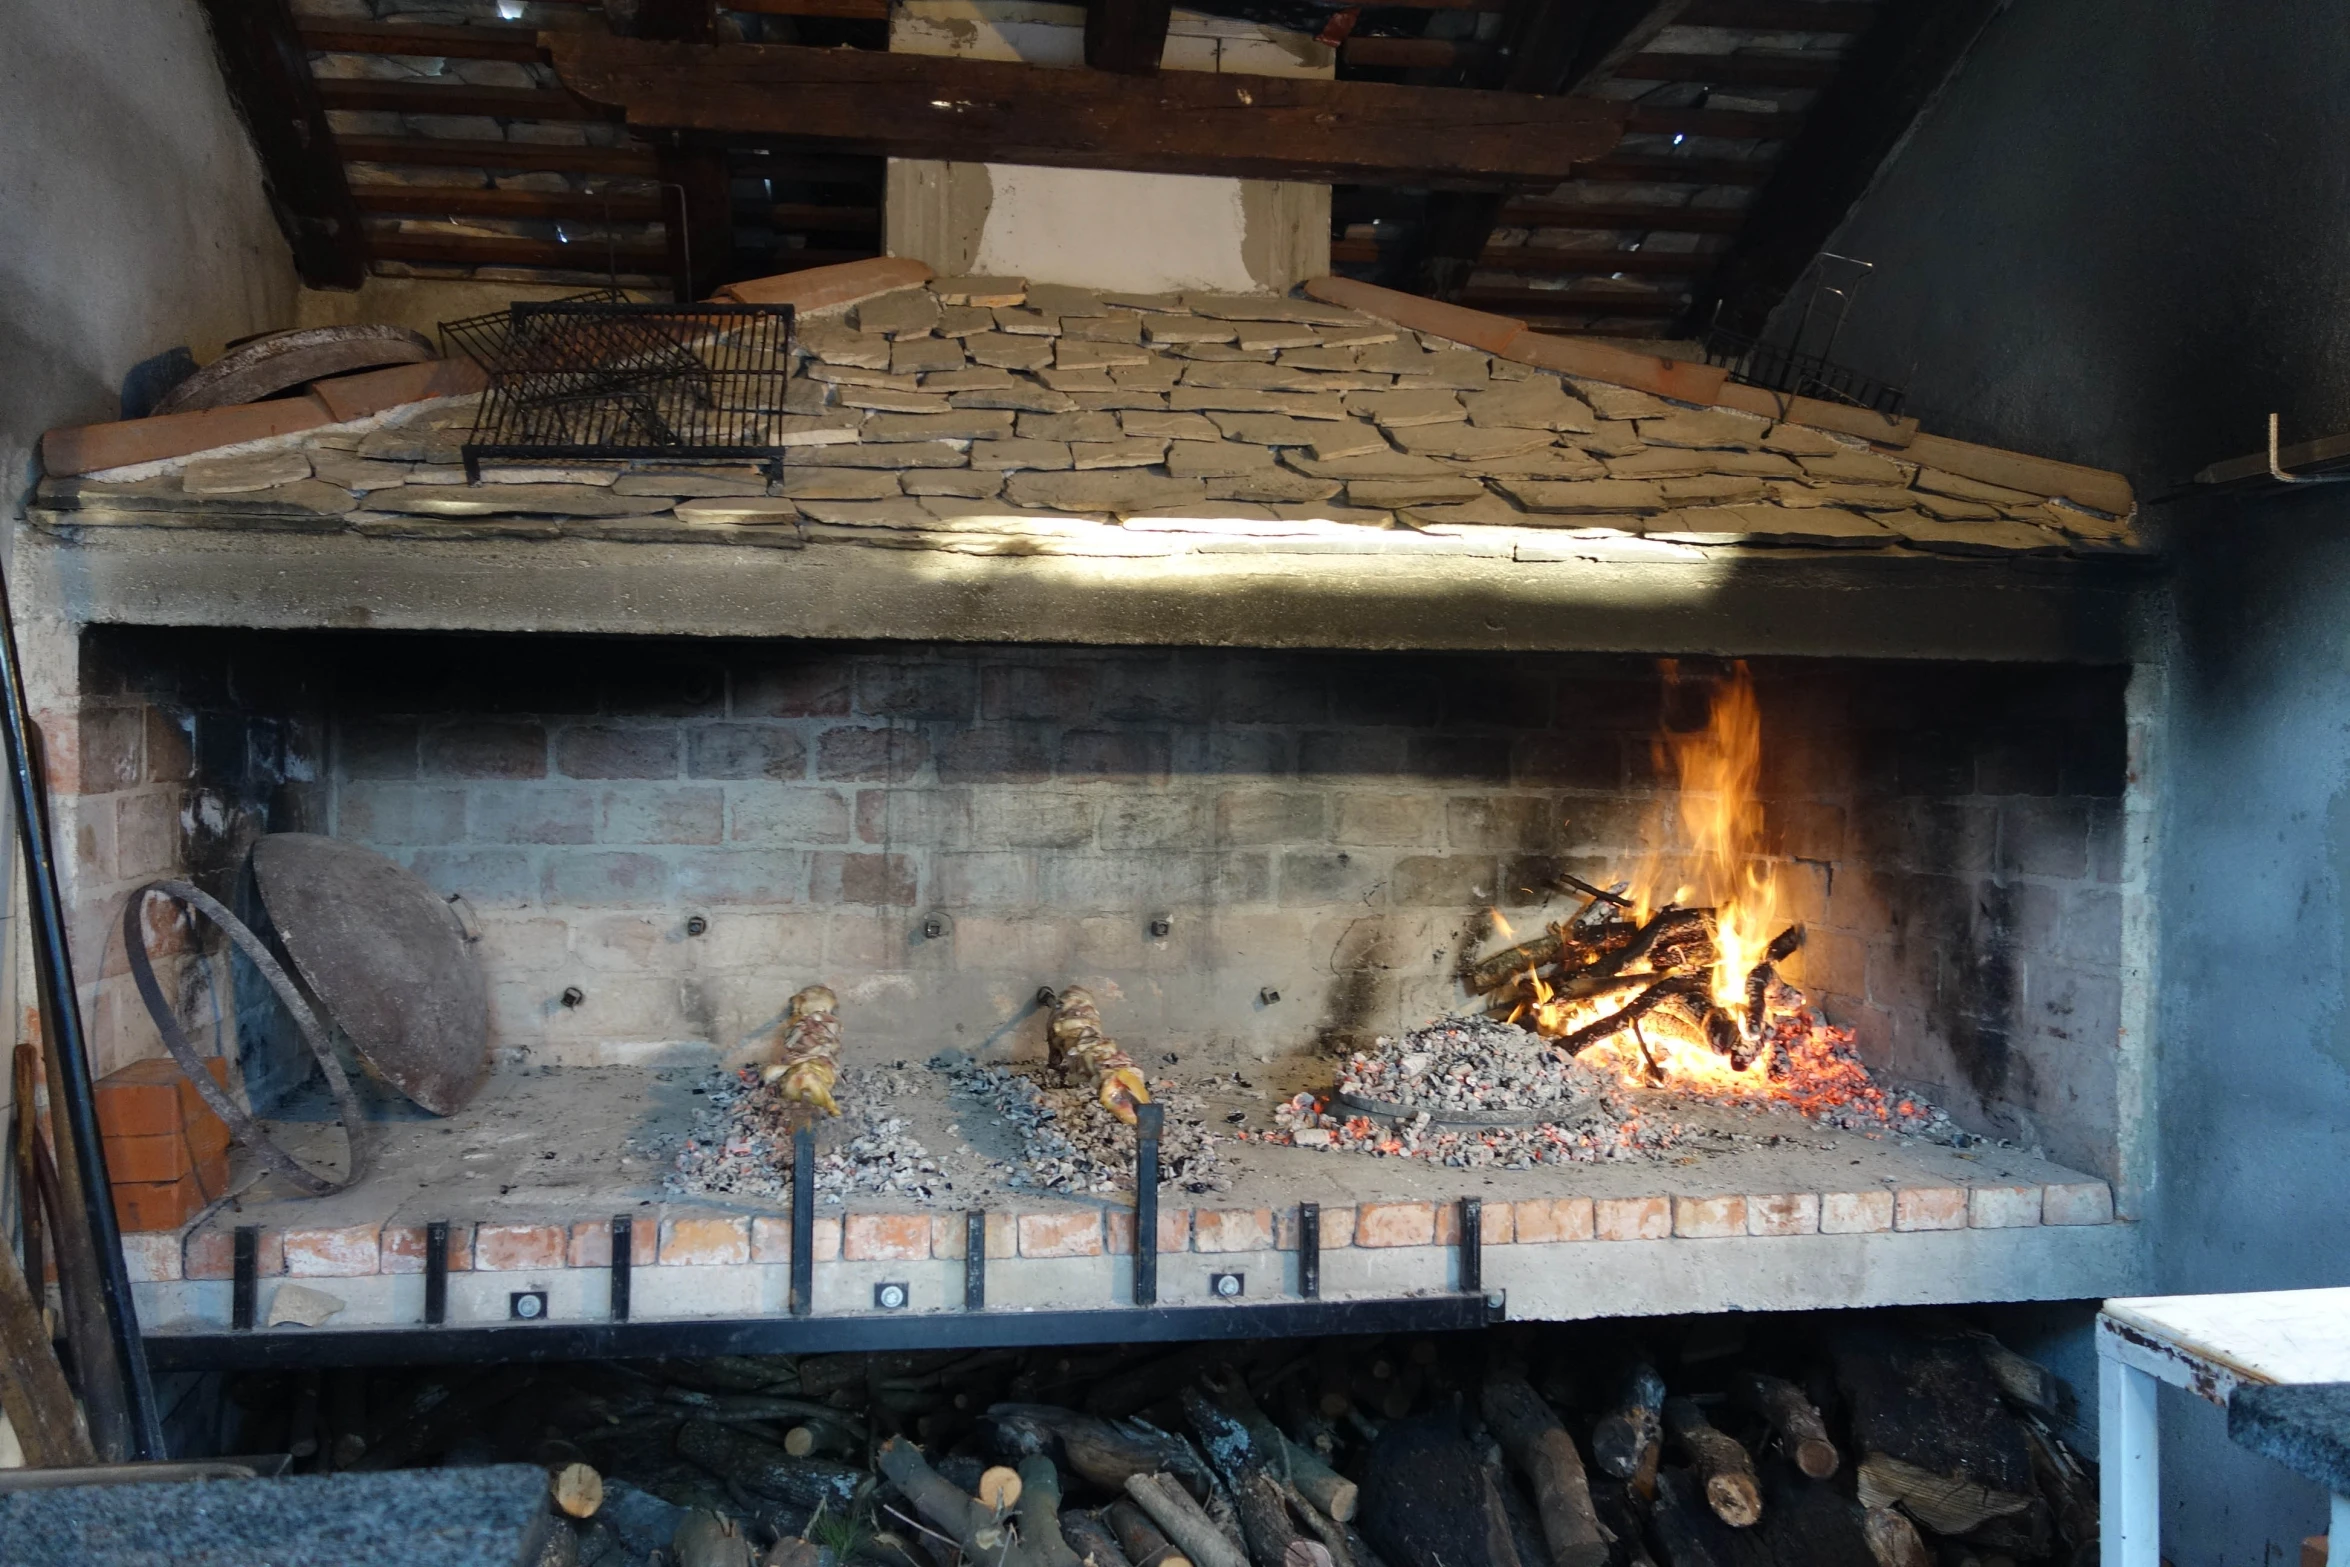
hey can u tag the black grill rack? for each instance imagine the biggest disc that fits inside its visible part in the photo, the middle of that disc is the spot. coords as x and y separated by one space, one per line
601 378
1781 369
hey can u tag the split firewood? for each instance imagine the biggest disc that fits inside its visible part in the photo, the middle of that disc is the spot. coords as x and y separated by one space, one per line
1103 1452
577 1489
1530 1434
1893 1540
1628 1440
1718 1460
1795 1418
1080 1049
1316 1481
1184 1522
708 1539
1092 1540
805 1061
1144 1543
765 1469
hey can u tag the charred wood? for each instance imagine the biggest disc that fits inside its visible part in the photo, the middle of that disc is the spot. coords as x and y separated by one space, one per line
1315 1480
1427 1495
765 1469
1628 1440
1719 1463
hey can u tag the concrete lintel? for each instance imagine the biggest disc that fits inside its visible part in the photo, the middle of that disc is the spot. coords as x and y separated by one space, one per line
1794 604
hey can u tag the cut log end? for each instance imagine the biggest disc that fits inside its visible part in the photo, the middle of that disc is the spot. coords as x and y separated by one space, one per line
1735 1499
999 1489
1346 1499
799 1441
1816 1457
577 1489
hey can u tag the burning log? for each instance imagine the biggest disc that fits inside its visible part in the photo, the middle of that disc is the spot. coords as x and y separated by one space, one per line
1795 1418
1081 1049
1535 1441
1685 988
1498 970
1141 1539
1758 979
1184 1522
806 1059
1719 1461
1629 1440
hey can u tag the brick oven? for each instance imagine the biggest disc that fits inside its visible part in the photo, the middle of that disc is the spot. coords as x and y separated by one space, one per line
1254 663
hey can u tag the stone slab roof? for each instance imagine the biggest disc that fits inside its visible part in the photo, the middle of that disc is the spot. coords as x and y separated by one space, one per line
996 416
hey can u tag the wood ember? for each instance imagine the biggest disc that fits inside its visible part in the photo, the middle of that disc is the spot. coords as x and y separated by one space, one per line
990 1458
1071 1142
740 1141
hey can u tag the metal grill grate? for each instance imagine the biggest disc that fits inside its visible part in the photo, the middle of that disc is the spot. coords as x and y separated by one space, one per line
597 378
1778 369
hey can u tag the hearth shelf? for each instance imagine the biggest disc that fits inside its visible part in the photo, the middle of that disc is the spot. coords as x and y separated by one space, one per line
530 1175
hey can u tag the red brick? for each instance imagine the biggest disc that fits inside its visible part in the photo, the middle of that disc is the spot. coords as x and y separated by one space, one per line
1785 1213
1708 1218
340 1252
771 1239
1395 1224
1855 1213
1930 1208
1232 1229
2077 1202
591 1242
1496 1225
1174 1230
689 1240
348 397
520 1248
90 447
1632 1218
1063 1232
2004 1207
157 1205
885 1237
151 1257
950 1232
1544 1221
403 1249
164 1158
212 1254
1338 1228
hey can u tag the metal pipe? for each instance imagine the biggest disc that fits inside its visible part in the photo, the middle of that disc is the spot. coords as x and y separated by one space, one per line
54 969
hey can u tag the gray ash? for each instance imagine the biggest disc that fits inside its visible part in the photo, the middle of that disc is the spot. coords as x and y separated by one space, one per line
739 1144
1069 1143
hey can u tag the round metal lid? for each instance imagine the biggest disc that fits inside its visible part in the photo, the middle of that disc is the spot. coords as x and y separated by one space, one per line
387 957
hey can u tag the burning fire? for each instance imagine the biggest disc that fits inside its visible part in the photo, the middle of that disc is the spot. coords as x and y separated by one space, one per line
1671 979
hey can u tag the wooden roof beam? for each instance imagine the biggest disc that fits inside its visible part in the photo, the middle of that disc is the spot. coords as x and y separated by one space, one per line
267 71
1126 36
1180 122
1891 75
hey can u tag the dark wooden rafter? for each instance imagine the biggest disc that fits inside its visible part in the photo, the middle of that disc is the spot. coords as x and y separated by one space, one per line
1548 47
453 153
697 190
1182 122
1892 74
263 61
1126 36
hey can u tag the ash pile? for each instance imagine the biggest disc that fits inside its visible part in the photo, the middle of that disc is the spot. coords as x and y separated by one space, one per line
739 1143
1887 1440
1071 1142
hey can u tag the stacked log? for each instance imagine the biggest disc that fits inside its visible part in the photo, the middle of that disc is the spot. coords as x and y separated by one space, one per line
1879 1445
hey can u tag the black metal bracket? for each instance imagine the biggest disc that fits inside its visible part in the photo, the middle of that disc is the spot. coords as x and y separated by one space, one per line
1472 1246
975 1260
246 1280
623 1258
1309 1251
858 1332
1149 1122
436 1271
803 1222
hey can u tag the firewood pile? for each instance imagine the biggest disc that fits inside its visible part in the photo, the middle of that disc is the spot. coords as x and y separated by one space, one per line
1898 1441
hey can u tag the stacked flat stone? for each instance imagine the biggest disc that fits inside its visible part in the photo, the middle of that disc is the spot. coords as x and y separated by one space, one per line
977 407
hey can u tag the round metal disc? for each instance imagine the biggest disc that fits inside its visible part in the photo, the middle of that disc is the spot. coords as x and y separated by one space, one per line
1393 1110
387 957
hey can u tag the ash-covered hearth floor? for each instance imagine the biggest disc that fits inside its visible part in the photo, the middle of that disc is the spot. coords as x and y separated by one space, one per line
1748 1208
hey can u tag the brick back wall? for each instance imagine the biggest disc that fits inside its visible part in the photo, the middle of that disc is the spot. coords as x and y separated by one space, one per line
1325 835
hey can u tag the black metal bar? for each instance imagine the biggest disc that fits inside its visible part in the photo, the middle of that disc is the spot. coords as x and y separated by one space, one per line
54 969
623 1258
245 1284
836 1334
803 1222
1309 1250
1472 1246
1149 1122
436 1271
975 1259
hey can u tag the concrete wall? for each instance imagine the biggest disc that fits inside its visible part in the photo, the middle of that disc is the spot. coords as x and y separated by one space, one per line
2121 240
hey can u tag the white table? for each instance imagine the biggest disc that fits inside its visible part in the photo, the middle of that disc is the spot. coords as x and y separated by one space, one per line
2209 1345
